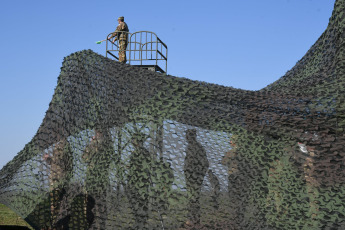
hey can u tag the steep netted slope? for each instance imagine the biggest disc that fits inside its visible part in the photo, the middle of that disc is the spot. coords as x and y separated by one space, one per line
322 65
125 148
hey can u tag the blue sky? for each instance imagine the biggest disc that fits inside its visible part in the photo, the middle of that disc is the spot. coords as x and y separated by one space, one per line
245 44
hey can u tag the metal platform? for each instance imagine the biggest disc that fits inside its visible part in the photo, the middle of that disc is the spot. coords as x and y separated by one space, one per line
144 49
154 68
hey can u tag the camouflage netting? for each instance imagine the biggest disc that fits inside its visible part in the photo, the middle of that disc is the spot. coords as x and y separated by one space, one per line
125 148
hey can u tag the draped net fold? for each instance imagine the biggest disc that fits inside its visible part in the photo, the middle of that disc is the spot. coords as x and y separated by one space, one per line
125 148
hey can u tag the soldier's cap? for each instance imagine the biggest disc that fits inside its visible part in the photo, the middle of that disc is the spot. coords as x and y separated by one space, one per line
121 18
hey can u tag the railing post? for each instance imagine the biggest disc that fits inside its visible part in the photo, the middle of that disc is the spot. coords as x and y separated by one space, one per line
106 48
141 51
166 61
129 49
156 50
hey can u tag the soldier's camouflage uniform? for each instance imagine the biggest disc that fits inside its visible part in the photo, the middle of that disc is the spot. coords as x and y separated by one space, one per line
123 40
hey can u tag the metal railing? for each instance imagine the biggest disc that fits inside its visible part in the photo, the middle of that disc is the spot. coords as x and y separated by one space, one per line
144 48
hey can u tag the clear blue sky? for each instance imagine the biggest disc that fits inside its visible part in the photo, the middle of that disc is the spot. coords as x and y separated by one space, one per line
241 43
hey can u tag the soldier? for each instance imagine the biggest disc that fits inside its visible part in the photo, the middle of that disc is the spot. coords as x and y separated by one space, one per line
61 166
215 185
97 155
164 179
121 34
139 176
230 158
195 167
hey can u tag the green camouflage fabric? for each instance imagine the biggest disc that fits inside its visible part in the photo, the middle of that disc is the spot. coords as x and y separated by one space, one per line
122 147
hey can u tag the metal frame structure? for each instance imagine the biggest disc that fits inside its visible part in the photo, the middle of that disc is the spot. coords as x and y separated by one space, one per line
144 48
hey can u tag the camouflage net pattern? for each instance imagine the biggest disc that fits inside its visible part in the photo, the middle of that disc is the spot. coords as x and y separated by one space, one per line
122 147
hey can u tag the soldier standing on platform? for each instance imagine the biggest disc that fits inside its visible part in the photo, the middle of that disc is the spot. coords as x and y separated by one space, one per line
121 34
